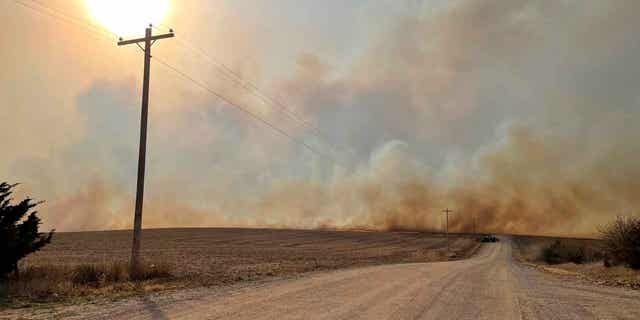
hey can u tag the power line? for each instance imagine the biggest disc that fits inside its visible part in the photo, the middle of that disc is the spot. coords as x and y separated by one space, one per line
254 89
55 13
58 14
240 107
240 80
231 75
95 31
228 72
250 86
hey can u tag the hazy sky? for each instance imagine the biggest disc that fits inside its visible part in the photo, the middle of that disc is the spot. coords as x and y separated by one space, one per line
523 113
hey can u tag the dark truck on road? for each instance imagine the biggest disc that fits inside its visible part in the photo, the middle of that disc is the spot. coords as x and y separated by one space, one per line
488 238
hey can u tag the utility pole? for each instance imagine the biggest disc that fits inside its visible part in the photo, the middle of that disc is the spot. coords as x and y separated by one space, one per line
148 41
447 211
474 225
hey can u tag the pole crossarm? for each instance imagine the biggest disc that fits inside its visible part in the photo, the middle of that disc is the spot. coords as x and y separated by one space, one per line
152 38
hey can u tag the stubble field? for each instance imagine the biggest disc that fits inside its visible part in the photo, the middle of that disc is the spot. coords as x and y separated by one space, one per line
223 255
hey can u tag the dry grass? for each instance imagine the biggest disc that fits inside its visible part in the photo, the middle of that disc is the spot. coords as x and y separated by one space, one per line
530 249
614 276
90 263
50 282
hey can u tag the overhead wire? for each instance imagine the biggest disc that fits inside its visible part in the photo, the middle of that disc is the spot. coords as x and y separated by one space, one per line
104 33
239 79
56 13
245 110
230 73
253 89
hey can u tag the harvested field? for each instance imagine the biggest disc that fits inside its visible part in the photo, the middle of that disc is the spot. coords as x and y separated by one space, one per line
230 254
219 256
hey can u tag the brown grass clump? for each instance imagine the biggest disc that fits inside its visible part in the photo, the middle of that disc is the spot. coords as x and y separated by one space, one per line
152 271
50 282
89 274
580 257
101 274
36 283
567 251
551 250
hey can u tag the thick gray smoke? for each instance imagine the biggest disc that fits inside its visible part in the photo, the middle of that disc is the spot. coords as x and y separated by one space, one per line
521 114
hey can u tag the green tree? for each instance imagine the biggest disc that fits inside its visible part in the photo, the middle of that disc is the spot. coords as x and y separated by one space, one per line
18 236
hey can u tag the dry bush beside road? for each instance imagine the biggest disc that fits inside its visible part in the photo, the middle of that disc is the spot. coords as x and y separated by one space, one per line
531 249
622 242
536 249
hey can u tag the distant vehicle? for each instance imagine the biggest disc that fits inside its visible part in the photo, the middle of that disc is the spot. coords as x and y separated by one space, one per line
489 238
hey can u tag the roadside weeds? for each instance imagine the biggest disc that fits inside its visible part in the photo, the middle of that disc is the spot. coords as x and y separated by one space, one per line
593 271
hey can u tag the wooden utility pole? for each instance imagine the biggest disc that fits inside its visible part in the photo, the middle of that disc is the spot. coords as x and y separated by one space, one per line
474 225
148 40
447 211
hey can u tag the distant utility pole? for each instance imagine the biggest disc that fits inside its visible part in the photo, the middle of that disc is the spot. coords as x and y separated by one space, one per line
474 224
447 211
148 40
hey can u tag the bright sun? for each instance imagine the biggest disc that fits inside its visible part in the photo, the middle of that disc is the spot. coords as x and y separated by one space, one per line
128 17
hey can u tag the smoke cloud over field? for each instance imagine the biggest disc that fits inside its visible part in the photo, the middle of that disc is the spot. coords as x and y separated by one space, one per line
519 115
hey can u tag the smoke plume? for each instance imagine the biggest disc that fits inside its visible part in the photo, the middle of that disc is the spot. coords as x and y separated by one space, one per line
518 115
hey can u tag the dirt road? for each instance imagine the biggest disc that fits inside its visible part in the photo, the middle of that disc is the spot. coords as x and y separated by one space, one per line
488 286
